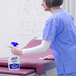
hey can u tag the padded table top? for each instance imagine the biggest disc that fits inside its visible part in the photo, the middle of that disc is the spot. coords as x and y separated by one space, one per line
33 61
40 65
5 70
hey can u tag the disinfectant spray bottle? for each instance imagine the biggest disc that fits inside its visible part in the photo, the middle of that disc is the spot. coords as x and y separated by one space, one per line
14 60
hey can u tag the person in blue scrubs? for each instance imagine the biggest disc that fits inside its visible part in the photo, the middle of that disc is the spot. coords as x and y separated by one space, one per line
61 30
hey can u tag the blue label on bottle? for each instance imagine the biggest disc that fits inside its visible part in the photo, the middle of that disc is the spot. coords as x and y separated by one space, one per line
14 66
14 59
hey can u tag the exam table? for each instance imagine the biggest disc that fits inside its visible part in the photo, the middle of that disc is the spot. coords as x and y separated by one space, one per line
30 65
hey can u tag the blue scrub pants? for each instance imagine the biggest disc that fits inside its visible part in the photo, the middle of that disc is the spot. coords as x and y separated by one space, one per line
68 74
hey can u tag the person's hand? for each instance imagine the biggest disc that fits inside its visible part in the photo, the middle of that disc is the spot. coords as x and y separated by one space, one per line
16 50
49 57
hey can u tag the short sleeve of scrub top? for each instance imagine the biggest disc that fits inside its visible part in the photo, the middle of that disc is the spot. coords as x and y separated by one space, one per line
49 31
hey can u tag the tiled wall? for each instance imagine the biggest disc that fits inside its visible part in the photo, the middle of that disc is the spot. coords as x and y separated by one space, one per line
32 17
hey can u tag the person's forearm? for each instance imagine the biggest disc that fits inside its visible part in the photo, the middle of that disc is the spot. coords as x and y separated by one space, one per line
38 49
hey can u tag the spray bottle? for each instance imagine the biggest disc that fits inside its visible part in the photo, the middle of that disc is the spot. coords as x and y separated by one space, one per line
14 60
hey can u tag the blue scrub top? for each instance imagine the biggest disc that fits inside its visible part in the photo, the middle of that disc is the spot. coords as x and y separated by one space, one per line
60 28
